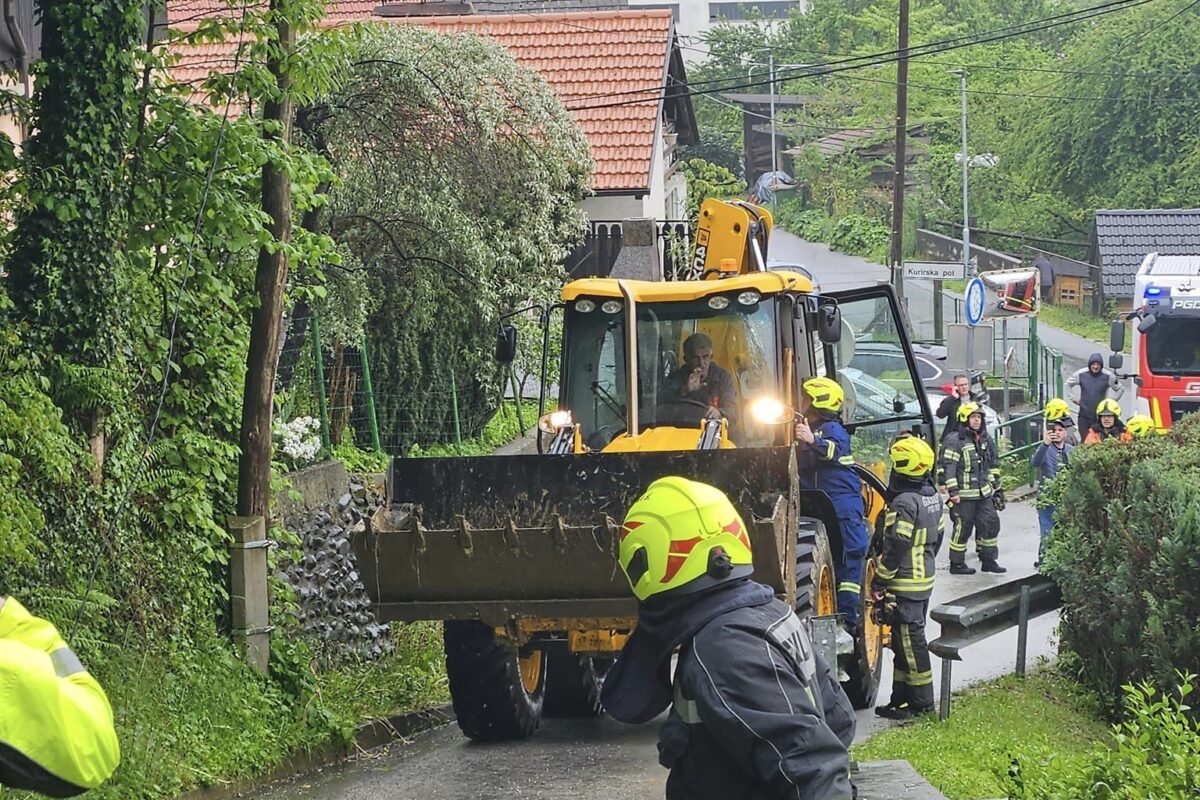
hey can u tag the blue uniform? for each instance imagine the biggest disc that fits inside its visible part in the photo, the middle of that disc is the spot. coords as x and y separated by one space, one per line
828 466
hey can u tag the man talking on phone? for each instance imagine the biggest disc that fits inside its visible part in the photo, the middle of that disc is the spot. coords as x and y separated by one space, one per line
701 381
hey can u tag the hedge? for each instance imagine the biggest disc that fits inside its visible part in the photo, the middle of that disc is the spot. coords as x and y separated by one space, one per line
1126 552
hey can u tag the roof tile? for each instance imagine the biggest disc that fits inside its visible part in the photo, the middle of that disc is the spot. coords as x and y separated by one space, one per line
587 58
1124 237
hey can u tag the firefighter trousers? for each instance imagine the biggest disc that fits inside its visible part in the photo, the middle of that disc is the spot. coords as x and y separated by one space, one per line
976 516
912 682
855 540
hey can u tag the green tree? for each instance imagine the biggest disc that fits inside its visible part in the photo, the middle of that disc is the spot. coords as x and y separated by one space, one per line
460 175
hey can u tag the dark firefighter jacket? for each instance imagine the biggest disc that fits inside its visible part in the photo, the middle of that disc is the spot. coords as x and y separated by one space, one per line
827 465
757 713
913 532
56 726
971 464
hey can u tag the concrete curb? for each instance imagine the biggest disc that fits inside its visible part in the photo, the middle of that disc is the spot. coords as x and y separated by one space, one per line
367 736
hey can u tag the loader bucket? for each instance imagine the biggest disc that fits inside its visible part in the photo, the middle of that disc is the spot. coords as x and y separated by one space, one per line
500 537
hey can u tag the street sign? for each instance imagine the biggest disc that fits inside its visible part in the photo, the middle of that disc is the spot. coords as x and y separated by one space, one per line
974 301
934 270
970 347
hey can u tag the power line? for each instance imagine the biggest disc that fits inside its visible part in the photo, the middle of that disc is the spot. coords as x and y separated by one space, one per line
998 93
875 59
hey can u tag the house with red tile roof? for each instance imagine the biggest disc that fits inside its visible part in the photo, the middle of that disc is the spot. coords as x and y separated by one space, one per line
620 73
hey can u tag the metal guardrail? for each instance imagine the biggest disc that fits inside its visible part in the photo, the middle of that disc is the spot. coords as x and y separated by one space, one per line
977 616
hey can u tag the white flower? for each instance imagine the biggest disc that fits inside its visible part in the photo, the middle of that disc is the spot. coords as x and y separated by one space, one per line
299 439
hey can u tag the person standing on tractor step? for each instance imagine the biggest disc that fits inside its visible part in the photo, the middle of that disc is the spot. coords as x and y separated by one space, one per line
972 471
826 464
913 533
1109 426
756 713
1094 383
56 725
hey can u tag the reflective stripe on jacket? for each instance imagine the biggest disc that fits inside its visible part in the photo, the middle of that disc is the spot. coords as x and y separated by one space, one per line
56 725
913 532
828 465
971 465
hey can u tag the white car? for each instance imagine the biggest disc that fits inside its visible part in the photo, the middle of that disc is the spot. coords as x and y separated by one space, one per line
774 264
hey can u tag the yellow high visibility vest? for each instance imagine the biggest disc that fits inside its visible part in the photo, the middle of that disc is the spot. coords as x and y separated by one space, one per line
56 724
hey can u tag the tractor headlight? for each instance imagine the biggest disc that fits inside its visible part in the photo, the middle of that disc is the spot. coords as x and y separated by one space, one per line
748 298
770 411
585 306
555 420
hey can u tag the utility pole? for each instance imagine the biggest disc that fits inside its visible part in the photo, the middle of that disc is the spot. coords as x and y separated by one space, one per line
901 156
774 142
966 161
966 234
270 277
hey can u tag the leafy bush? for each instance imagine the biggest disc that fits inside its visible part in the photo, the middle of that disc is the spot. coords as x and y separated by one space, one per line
1157 755
856 234
705 180
1126 552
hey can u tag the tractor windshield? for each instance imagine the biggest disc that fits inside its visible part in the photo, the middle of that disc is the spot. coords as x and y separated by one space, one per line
696 359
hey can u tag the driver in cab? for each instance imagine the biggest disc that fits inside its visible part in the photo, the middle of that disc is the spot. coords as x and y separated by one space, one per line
701 381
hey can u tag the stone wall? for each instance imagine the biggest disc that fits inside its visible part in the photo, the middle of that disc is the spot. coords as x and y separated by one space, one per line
334 610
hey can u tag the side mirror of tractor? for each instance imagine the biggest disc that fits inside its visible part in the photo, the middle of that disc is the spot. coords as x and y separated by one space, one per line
1116 336
829 324
506 343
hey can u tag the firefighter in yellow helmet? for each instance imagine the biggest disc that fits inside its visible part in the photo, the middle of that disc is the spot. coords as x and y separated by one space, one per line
971 466
1057 411
1108 425
826 464
1140 425
755 712
913 533
56 725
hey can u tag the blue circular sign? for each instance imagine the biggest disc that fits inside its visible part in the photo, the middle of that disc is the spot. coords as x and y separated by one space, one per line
974 301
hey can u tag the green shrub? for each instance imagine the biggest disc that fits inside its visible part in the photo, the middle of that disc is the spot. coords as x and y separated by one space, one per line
1126 552
1157 755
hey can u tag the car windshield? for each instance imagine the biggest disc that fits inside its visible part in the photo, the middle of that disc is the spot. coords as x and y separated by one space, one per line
694 361
1173 347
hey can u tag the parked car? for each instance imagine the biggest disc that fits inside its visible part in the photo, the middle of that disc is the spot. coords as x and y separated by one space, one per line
778 263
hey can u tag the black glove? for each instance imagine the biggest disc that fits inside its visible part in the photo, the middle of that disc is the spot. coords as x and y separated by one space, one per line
1000 500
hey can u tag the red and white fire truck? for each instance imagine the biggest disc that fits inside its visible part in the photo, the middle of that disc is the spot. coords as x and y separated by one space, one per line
1166 337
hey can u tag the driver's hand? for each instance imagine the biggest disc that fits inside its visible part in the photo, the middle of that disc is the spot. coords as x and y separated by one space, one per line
693 381
804 433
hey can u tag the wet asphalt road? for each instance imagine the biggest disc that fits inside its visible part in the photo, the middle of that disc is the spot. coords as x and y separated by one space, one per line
605 760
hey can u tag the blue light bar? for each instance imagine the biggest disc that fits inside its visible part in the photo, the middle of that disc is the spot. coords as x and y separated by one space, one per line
1156 291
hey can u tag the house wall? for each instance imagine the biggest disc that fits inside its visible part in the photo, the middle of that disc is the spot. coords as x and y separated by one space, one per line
695 17
613 207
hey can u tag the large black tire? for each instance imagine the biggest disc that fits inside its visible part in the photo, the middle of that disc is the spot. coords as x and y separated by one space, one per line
490 700
573 684
814 558
864 667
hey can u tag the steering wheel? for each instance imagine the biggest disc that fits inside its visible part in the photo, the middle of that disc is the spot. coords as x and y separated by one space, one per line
600 437
684 401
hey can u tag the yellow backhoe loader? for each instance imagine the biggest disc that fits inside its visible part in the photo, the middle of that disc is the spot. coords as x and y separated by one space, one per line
517 554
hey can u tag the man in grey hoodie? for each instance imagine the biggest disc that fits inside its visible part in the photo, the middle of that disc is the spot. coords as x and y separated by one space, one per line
1094 383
